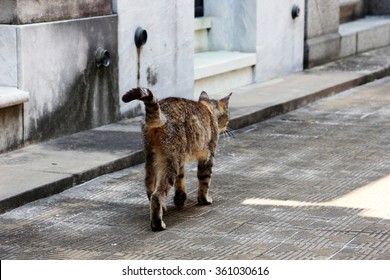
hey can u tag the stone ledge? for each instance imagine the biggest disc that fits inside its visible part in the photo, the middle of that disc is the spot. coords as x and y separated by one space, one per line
364 34
202 23
208 64
10 96
201 28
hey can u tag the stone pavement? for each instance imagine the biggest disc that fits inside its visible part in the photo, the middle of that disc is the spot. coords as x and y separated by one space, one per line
44 169
309 184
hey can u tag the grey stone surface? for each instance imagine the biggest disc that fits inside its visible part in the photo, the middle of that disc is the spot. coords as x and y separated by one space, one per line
11 117
322 17
310 184
11 127
8 56
32 11
256 30
230 32
282 36
378 7
322 49
364 34
264 27
68 92
322 40
375 38
348 45
10 96
353 37
166 62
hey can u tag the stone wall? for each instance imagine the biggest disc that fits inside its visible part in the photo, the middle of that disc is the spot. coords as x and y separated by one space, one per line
264 27
55 63
11 125
322 40
8 56
233 25
68 92
280 39
165 62
32 11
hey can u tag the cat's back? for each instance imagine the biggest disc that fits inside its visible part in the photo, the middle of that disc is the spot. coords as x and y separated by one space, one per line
175 106
188 123
179 110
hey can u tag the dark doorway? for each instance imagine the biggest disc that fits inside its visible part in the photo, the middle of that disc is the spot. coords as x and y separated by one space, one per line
199 8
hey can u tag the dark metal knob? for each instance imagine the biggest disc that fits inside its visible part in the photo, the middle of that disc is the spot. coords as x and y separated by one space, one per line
102 57
295 11
140 37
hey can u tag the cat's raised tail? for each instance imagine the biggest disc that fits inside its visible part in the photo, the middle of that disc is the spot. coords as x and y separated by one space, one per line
153 116
142 94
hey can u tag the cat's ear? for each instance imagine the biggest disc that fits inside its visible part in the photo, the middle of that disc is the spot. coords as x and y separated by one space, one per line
226 99
204 96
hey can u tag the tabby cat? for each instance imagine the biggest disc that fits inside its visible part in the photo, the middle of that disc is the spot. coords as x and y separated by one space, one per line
176 131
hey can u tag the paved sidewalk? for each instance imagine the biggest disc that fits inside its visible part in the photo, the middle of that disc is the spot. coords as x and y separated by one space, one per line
44 169
310 184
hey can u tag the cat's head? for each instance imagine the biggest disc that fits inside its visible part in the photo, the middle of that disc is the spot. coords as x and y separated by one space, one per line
220 109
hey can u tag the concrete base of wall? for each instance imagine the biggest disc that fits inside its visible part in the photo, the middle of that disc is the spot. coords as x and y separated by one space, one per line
11 117
353 37
364 34
11 127
319 50
56 63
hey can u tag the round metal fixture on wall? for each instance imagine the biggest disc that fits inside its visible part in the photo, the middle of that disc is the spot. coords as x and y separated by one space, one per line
102 57
140 37
295 11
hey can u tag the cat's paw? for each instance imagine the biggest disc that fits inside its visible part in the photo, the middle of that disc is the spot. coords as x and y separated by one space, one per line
204 200
179 199
158 225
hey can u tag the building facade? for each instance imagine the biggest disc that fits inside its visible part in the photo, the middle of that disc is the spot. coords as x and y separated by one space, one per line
65 64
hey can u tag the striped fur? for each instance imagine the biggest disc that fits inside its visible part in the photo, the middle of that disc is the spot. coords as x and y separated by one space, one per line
176 131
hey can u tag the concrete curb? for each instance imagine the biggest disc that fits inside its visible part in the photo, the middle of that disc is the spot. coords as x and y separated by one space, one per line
293 104
72 180
242 114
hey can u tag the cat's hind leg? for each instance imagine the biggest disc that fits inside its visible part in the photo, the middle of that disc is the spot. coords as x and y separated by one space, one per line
180 189
150 173
204 178
157 202
167 178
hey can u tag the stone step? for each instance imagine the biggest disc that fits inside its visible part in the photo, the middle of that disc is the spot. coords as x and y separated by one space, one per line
11 117
351 10
202 26
11 96
364 34
221 70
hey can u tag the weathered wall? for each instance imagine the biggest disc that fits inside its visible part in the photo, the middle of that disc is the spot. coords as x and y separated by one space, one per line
233 24
8 56
11 125
322 40
264 27
166 61
31 11
280 38
56 65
